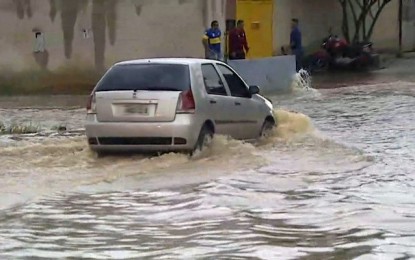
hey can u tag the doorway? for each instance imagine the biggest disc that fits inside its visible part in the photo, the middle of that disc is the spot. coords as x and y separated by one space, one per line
258 18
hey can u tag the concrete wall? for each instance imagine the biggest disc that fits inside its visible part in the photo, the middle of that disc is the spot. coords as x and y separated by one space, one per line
386 33
97 33
316 17
272 75
408 25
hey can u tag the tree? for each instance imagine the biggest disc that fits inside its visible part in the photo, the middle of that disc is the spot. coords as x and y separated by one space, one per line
364 15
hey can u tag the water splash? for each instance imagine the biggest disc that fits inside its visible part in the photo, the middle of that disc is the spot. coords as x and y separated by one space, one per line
291 124
302 87
73 151
302 81
222 146
291 127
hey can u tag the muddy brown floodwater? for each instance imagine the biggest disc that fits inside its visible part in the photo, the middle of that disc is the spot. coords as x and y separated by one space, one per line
335 181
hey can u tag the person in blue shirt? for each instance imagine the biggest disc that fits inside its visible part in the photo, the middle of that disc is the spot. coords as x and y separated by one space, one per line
212 42
296 43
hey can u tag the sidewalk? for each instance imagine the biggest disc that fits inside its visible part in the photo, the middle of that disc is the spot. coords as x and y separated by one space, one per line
394 69
404 66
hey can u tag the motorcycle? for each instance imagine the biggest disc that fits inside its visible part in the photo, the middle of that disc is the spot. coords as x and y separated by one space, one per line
336 53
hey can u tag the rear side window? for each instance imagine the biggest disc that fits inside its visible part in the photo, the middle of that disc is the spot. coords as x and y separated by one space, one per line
169 77
213 83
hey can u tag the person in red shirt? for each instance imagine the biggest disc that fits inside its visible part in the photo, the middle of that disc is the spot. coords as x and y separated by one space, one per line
238 45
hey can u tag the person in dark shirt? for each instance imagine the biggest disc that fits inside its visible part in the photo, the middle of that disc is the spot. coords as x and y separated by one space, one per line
296 43
238 44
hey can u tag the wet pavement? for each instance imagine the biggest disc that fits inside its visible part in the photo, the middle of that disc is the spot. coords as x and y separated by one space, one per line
334 181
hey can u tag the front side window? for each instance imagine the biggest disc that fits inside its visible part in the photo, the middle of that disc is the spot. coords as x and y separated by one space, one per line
235 83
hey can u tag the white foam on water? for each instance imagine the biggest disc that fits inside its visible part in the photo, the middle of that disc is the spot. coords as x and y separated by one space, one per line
302 85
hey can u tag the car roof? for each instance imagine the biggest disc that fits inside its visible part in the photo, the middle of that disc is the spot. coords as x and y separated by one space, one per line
183 61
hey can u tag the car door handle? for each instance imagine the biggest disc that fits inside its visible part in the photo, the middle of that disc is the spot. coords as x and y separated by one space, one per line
237 104
212 101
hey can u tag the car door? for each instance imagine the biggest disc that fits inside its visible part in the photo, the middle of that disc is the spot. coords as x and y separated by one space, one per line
218 99
246 109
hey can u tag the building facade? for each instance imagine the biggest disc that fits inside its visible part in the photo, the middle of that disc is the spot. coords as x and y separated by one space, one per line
52 34
267 23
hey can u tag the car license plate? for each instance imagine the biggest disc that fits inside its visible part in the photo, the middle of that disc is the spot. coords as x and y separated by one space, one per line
137 109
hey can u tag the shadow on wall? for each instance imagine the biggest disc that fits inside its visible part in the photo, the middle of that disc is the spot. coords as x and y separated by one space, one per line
103 16
69 14
23 8
138 4
42 59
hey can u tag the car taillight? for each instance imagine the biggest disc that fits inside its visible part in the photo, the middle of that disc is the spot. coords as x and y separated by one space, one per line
90 106
186 102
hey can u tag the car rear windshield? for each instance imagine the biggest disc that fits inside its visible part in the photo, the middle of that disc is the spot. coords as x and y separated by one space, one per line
168 77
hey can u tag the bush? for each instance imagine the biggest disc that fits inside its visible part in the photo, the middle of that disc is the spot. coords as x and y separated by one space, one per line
19 129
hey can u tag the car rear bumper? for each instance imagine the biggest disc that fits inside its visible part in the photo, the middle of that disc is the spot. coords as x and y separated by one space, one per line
178 135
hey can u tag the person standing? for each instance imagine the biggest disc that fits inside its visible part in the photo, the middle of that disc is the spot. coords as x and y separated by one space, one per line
238 44
212 42
296 43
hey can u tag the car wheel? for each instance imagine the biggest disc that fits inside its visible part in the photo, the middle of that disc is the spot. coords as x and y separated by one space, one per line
267 128
100 154
205 138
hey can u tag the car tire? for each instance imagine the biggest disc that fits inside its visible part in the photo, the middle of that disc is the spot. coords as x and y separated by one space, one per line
266 129
204 139
100 154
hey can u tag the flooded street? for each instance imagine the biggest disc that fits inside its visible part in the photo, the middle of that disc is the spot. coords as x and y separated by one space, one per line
335 181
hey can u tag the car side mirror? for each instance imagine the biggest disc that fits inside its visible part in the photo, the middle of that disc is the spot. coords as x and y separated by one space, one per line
254 90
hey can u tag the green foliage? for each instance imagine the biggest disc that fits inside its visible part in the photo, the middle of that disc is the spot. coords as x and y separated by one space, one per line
19 129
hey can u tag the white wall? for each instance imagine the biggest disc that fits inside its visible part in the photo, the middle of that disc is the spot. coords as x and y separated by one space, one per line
273 75
408 25
317 16
141 28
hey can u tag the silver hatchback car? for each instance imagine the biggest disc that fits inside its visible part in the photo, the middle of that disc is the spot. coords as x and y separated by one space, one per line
173 104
